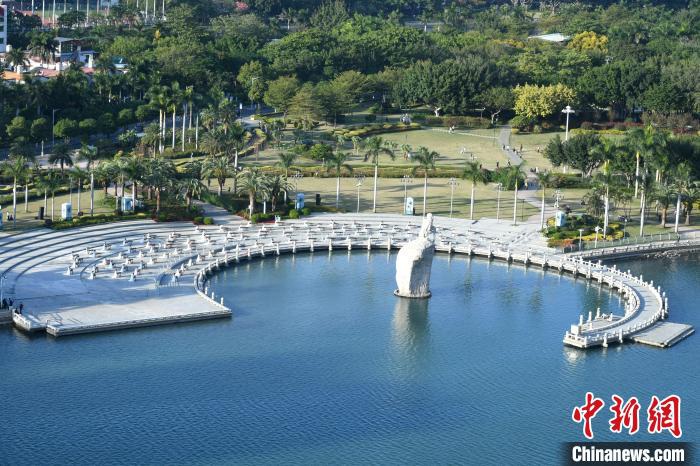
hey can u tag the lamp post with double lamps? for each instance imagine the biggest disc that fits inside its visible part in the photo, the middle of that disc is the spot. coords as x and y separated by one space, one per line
452 182
360 180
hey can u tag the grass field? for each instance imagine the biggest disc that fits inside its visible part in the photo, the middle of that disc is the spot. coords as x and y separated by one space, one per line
454 148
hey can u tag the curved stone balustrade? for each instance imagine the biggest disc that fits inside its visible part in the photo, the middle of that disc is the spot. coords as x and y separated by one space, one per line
152 272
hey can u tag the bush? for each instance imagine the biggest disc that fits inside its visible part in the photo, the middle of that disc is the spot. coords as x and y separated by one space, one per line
374 109
537 129
522 122
371 130
208 221
294 214
306 211
198 220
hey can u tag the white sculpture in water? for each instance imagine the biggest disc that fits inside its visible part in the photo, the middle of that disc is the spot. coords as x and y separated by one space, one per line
414 262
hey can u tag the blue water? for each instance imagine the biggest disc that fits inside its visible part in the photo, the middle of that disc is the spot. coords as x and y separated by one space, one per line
322 364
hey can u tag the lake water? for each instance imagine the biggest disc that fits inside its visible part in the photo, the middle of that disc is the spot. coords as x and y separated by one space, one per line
323 365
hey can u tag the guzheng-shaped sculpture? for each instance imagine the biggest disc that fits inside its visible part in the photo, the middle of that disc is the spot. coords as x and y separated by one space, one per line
414 262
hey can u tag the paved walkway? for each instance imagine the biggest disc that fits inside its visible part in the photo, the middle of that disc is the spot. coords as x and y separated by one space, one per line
504 141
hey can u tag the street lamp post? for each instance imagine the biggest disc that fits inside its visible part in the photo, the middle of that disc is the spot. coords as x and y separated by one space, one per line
452 182
515 205
53 125
597 229
499 186
296 177
580 238
360 180
405 180
252 81
568 110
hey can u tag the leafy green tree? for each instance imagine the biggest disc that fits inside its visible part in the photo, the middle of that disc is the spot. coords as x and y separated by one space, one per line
40 129
579 152
534 101
18 129
280 92
65 128
71 19
495 100
252 77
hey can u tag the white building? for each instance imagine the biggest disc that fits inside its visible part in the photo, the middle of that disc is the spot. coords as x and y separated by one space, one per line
3 32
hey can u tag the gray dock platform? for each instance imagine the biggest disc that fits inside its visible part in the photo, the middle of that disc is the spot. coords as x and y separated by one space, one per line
664 334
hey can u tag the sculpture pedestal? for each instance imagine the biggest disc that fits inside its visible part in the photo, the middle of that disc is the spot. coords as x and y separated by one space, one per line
412 296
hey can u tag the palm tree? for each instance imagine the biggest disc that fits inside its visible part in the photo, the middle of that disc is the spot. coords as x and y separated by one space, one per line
475 174
159 97
61 156
337 162
650 145
425 160
646 186
220 141
544 179
663 195
277 185
91 155
374 147
514 176
286 161
79 175
253 181
43 45
605 177
176 98
219 168
236 139
17 59
191 187
356 144
51 181
682 182
690 197
15 168
158 174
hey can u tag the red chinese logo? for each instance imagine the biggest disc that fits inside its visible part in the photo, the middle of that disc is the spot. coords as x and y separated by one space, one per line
665 415
662 415
587 412
626 415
